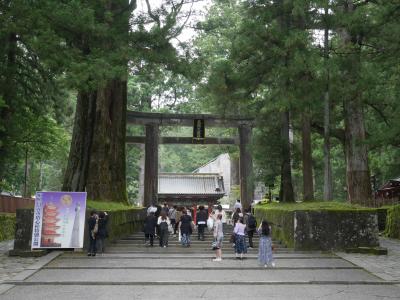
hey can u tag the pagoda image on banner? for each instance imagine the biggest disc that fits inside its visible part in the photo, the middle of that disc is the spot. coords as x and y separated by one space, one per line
49 226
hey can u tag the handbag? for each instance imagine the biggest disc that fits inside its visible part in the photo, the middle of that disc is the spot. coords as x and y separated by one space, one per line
232 238
214 245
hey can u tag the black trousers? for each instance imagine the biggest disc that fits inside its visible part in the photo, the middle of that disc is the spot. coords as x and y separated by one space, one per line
200 231
92 244
148 236
173 224
250 234
164 237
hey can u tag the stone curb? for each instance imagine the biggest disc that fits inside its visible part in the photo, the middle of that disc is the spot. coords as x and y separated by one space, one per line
28 271
146 283
194 257
202 268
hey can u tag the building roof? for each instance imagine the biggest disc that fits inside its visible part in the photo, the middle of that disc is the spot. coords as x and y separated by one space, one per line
209 184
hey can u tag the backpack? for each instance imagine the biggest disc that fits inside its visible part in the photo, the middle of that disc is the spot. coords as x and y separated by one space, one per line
95 229
163 226
251 222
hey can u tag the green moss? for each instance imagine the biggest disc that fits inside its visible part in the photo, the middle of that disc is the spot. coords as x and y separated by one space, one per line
331 206
393 222
108 206
281 222
7 226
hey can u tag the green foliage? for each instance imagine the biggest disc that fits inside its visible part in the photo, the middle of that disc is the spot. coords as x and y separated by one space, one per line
393 222
7 226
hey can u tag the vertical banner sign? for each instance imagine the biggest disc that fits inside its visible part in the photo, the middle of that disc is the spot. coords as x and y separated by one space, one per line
59 220
198 130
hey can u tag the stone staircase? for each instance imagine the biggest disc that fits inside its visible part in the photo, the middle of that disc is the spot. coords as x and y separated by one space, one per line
135 244
130 270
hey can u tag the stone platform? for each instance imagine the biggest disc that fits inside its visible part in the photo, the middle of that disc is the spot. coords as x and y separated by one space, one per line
130 271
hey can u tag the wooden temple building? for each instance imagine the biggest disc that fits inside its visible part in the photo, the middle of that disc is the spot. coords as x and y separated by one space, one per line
190 189
389 193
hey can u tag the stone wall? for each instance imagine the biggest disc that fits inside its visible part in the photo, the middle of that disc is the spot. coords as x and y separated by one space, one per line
322 229
121 223
281 222
393 222
326 230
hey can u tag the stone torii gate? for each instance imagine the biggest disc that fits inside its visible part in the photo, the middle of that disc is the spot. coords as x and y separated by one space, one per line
152 122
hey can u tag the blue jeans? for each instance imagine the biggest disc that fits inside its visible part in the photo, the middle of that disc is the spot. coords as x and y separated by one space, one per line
185 239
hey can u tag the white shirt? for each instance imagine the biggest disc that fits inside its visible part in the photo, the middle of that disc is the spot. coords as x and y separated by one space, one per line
161 220
237 205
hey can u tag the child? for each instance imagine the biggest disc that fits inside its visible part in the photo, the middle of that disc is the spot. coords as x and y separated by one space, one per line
265 247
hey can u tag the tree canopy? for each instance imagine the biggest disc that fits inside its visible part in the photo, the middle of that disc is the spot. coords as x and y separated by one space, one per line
320 77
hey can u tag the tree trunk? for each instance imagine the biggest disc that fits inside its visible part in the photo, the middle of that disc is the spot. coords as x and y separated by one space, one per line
235 178
286 193
357 170
106 177
75 176
308 184
328 183
97 155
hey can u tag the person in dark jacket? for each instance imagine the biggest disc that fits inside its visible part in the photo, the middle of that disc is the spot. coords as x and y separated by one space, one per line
92 236
102 231
150 224
201 222
185 226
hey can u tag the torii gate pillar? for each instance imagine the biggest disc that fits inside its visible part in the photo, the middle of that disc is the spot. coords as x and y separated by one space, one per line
245 166
151 165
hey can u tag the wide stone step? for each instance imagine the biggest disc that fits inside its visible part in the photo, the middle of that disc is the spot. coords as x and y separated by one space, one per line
189 276
301 291
196 263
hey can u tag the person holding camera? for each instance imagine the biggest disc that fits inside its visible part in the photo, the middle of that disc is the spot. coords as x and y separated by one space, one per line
101 231
265 256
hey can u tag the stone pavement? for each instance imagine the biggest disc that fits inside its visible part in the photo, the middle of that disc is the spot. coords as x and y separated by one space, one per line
383 266
130 271
11 266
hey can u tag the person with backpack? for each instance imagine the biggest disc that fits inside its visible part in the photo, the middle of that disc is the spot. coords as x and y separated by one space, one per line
265 256
163 223
251 226
149 228
101 232
93 229
201 222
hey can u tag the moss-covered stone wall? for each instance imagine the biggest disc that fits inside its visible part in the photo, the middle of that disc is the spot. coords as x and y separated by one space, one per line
393 222
7 226
330 229
281 224
121 223
322 229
